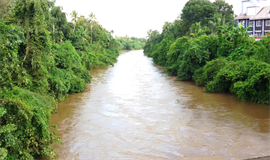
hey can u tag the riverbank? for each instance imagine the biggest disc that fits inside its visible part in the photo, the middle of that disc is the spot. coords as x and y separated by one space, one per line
214 51
219 63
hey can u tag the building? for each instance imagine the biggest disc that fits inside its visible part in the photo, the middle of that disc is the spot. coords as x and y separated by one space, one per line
257 16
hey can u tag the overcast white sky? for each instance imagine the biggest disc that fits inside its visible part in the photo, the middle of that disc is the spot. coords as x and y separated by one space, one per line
132 17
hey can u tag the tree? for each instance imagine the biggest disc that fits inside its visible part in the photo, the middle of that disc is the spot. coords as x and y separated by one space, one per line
92 19
197 11
149 33
218 20
75 16
166 27
6 8
58 25
225 10
127 43
32 16
196 30
234 33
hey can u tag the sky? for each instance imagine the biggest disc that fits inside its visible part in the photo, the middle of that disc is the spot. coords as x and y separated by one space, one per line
132 17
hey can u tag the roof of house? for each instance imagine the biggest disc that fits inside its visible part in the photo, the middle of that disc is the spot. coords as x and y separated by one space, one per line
243 16
264 13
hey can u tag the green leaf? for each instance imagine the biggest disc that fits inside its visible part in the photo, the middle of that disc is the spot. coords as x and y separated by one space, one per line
3 111
3 153
8 128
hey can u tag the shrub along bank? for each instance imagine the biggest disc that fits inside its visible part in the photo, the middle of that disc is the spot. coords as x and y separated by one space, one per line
223 59
43 59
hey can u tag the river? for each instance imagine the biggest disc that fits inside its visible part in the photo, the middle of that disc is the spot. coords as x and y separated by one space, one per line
135 111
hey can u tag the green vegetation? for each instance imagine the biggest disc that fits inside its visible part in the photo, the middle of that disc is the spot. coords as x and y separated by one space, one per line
43 58
206 47
132 43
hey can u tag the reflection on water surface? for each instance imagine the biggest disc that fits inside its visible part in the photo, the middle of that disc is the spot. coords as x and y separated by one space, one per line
135 111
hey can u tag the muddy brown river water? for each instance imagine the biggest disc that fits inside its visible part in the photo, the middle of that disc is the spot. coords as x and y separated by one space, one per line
135 111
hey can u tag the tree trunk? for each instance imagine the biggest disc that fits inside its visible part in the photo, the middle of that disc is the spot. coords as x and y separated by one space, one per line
26 20
91 33
26 53
74 28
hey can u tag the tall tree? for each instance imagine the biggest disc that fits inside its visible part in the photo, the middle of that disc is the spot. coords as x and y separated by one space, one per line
74 16
197 11
58 24
225 10
197 30
32 16
149 34
218 20
92 19
166 27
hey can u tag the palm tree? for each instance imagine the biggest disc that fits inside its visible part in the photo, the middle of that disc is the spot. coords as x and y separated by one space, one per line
74 15
218 20
149 34
195 30
166 27
92 19
81 21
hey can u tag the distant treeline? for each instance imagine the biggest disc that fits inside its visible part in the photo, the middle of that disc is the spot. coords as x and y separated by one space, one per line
127 43
205 45
43 59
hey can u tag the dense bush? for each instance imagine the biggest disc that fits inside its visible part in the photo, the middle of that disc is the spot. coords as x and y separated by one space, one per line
10 71
234 43
206 74
24 121
154 38
175 50
262 50
187 55
247 79
196 54
67 74
160 54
